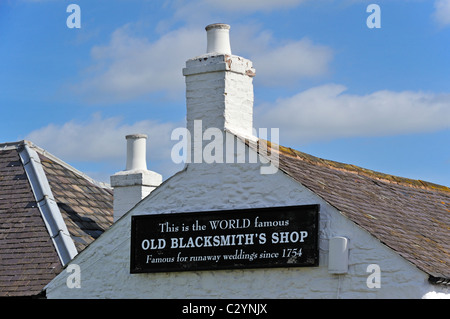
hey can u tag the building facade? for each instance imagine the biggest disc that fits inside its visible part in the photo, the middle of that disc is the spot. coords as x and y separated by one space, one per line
377 235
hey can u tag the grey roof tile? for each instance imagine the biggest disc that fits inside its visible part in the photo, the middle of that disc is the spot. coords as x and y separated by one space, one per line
28 258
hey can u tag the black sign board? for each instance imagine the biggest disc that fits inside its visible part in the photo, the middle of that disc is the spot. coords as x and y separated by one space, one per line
245 238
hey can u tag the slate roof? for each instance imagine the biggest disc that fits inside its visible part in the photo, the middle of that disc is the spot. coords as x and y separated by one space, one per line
28 257
87 208
412 217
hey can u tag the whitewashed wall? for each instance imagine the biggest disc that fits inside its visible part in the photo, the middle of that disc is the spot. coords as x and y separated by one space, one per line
104 265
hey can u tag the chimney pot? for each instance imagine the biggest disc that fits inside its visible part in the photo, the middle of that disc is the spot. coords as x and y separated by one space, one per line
136 152
218 38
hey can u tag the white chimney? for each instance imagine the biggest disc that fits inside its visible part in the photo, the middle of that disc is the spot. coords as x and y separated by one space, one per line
136 152
136 182
219 88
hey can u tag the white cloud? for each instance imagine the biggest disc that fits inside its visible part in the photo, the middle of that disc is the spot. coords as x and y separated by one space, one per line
285 64
102 140
130 66
326 112
442 12
279 62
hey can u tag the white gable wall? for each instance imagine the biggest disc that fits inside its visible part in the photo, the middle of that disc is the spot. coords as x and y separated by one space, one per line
104 265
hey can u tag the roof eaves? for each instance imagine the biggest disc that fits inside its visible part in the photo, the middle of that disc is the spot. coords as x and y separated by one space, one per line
439 281
50 212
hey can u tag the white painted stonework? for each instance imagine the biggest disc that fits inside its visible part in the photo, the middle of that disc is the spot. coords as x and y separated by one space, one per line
219 91
104 265
135 182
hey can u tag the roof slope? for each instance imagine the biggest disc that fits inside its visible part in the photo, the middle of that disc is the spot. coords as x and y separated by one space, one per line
87 208
28 256
28 259
412 217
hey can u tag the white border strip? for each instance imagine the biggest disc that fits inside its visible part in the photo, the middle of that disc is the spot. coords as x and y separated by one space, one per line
50 212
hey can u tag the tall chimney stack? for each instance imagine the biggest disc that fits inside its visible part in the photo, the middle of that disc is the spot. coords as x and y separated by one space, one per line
219 88
135 182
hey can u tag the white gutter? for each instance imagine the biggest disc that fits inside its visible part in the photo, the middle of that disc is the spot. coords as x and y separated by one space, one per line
47 205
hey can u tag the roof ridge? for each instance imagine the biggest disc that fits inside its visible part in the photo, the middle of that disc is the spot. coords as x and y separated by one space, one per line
18 144
404 181
11 145
54 158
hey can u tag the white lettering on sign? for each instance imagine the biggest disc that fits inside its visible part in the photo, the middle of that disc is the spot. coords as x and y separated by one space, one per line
289 237
225 240
230 224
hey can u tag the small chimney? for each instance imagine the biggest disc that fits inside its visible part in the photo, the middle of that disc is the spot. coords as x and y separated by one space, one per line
219 88
136 182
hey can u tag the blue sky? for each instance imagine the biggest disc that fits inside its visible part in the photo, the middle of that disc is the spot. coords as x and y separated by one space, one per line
378 98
